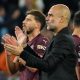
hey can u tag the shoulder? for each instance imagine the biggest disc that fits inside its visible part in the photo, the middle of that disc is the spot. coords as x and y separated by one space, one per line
65 37
64 40
76 40
64 34
41 45
42 40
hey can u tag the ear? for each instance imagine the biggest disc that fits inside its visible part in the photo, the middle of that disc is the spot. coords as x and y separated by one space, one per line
38 25
62 19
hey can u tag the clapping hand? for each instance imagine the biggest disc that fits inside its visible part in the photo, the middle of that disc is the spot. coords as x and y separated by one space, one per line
15 50
7 39
21 37
13 45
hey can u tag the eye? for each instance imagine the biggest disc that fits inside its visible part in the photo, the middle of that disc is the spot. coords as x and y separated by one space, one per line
50 15
28 19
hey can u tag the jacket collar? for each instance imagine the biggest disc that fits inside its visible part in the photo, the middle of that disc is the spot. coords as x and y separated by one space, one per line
64 31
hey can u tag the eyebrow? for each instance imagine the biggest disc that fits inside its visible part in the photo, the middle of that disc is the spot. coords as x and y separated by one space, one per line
50 14
28 18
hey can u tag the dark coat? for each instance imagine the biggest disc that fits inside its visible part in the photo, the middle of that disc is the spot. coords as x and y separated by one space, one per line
59 60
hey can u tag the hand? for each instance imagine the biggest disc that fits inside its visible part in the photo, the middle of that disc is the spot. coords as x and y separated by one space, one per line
15 50
16 59
9 40
22 61
21 37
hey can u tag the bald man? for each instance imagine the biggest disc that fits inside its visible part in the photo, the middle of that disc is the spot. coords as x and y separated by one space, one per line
60 58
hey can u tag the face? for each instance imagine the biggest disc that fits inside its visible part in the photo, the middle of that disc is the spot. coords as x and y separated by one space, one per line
29 24
52 19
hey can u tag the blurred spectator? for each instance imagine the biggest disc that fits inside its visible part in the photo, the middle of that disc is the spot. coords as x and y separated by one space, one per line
2 76
3 66
4 72
72 4
3 20
40 5
15 15
15 18
32 4
76 36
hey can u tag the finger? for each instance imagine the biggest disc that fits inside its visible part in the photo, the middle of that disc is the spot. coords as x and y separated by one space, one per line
18 30
11 47
11 51
17 33
14 41
7 38
10 39
16 59
14 38
4 37
22 61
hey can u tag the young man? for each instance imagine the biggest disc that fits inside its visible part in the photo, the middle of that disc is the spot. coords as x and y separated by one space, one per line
32 26
59 60
76 36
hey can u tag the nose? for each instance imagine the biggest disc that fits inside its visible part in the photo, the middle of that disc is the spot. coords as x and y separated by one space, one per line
47 18
23 21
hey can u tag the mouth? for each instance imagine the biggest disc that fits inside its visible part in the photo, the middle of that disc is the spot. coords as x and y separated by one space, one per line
46 22
23 25
23 28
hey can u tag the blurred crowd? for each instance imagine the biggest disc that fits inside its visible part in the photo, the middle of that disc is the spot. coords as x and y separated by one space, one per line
12 13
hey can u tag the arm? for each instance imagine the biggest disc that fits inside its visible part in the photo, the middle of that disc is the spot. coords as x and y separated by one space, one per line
56 55
15 64
39 47
13 67
77 71
58 50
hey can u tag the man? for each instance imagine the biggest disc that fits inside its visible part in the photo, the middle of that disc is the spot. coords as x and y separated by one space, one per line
76 36
32 25
59 60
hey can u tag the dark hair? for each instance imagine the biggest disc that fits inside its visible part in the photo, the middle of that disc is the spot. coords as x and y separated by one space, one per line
39 16
76 19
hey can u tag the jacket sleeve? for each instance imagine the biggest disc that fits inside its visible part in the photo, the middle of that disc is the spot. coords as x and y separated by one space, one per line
56 55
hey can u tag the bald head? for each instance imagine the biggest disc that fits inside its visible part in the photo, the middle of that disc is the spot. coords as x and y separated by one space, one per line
61 10
58 17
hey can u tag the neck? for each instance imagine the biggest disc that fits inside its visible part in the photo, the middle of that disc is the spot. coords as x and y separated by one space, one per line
77 32
33 35
61 26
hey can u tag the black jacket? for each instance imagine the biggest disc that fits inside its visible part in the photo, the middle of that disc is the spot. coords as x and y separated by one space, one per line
59 60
